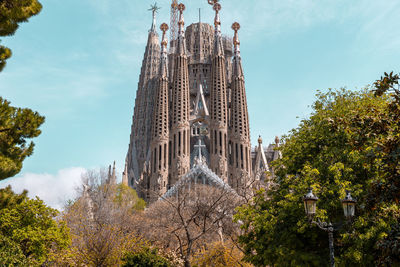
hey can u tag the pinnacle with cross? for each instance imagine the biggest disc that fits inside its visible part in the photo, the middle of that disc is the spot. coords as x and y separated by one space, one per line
199 146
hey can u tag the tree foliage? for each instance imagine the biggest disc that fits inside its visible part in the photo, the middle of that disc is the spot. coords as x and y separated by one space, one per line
145 257
12 13
350 142
17 126
101 221
219 254
28 231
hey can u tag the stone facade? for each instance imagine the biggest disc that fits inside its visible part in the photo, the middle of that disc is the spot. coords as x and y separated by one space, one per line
193 93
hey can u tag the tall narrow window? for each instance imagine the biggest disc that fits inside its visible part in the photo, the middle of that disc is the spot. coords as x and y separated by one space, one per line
165 156
169 154
179 143
225 146
241 156
220 143
159 157
215 142
174 145
184 142
155 159
236 155
247 158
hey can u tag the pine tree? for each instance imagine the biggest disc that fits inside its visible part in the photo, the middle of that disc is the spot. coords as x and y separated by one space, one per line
12 13
16 126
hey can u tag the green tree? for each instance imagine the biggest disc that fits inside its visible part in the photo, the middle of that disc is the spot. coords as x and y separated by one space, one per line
12 13
350 142
145 257
17 125
28 231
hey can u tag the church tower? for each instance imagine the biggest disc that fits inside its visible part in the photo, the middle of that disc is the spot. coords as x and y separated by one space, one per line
239 134
141 122
218 104
191 111
180 135
157 181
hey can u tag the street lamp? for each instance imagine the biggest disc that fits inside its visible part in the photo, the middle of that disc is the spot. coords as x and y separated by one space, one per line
349 205
310 205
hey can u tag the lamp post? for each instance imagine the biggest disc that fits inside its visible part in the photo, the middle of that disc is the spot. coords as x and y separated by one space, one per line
310 205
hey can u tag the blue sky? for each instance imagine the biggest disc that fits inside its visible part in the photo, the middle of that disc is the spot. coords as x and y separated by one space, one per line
78 64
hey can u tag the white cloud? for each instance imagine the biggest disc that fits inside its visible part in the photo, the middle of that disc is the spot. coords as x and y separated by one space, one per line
54 190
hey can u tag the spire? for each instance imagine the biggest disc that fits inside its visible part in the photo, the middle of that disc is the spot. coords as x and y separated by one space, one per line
154 8
218 102
156 181
174 20
218 47
164 56
141 123
237 62
180 107
277 152
217 21
113 174
239 130
261 161
181 50
125 175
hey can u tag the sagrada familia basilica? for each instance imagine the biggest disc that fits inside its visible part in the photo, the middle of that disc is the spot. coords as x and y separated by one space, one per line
190 118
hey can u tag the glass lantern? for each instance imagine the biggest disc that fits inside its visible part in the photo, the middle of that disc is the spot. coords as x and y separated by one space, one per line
310 203
349 205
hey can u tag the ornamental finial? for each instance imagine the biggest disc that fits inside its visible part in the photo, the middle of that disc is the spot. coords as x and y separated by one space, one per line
181 22
181 7
164 27
277 140
217 8
236 27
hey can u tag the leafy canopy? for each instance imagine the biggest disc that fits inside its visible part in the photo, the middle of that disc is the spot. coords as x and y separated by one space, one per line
12 13
350 142
145 257
16 126
28 231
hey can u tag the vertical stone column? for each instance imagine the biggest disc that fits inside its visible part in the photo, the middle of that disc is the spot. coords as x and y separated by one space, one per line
180 128
239 134
218 104
160 129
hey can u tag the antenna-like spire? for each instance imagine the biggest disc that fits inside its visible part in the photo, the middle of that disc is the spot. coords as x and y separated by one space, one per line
164 27
163 66
217 21
154 8
237 64
181 22
218 46
174 20
181 44
236 42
